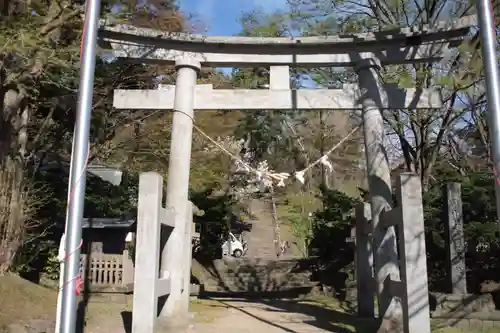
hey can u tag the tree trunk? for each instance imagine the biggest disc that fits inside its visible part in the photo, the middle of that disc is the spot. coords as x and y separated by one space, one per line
10 228
13 205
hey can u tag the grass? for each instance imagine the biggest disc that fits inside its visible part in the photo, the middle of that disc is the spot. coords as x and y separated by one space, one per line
22 301
336 305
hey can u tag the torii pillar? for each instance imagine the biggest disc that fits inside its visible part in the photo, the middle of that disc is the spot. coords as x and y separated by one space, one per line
178 187
372 98
379 181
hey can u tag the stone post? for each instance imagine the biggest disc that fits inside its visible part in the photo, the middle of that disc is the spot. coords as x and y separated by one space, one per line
128 269
455 243
178 185
145 308
187 260
379 182
414 280
364 262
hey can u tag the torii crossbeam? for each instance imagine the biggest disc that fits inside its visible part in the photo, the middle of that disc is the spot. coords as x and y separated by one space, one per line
366 52
207 98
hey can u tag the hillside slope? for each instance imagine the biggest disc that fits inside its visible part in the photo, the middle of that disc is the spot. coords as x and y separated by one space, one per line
22 301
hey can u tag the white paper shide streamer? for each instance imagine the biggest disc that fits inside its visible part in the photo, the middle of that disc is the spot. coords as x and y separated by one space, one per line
267 178
299 175
326 162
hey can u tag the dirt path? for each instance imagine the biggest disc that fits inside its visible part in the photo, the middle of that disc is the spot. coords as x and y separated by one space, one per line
270 317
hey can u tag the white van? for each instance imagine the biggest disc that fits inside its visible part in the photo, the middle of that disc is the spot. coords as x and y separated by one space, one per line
237 248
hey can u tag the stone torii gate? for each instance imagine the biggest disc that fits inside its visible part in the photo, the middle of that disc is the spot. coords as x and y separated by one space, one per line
365 52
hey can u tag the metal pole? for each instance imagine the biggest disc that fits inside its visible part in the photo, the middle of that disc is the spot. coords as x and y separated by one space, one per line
488 44
78 166
62 253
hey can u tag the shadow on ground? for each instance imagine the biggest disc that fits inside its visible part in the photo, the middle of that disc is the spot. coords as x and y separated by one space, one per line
127 321
240 285
309 312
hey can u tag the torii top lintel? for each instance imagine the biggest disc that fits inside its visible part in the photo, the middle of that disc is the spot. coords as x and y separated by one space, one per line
405 45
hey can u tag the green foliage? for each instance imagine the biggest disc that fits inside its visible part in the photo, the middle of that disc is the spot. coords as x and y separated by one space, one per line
218 219
423 135
296 210
259 24
332 226
479 212
267 132
130 247
32 256
51 95
269 136
39 71
302 230
102 200
480 227
106 200
52 265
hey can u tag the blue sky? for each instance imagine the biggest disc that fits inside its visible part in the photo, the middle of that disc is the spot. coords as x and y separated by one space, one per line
220 17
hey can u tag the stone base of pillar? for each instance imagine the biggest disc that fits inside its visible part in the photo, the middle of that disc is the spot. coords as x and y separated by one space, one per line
179 324
391 326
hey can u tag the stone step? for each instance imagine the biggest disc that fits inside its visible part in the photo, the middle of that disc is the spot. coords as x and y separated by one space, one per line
256 279
263 261
258 270
262 274
444 304
256 275
261 268
265 274
258 282
260 285
250 263
267 280
255 288
288 277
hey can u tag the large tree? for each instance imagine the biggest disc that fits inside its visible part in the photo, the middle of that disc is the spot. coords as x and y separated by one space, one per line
39 76
417 137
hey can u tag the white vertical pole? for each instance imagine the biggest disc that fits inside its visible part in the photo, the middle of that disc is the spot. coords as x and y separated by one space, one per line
77 182
488 33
